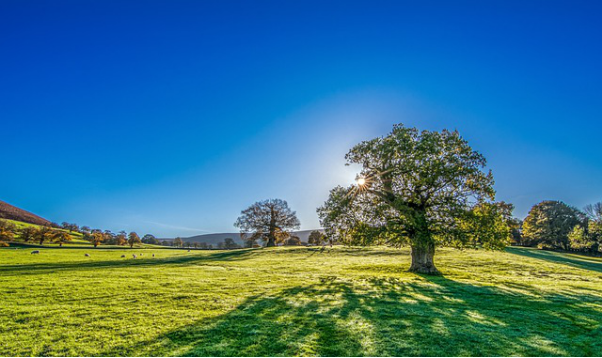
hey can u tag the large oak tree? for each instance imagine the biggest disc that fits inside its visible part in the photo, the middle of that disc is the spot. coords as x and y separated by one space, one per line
269 220
422 188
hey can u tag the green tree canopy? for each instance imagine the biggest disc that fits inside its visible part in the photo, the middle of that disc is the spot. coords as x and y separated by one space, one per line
420 188
316 237
177 242
549 223
133 239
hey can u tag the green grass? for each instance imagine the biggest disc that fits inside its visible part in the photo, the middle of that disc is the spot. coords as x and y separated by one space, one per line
298 301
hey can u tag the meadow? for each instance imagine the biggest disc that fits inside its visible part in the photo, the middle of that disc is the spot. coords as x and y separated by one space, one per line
340 301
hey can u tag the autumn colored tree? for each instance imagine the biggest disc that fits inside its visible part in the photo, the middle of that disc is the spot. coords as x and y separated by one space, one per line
415 187
269 220
28 233
121 238
44 233
96 238
7 230
61 237
133 239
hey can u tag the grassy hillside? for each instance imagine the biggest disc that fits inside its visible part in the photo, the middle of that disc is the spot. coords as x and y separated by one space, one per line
77 238
298 301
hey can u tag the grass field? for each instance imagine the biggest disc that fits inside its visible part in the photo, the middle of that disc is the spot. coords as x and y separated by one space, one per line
298 301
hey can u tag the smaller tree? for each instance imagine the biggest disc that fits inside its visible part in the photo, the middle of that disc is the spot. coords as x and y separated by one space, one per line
110 238
177 242
269 220
84 229
580 240
133 239
61 237
195 245
28 233
486 225
44 233
229 243
516 230
316 237
150 239
121 239
549 223
97 238
249 241
7 230
293 241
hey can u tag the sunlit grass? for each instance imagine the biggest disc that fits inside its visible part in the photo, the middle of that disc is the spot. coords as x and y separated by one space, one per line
298 301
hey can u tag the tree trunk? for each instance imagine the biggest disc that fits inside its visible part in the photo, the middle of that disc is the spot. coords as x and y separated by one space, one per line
423 260
423 246
272 229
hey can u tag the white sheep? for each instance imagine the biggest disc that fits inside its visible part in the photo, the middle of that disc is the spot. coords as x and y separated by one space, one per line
134 255
35 252
87 255
140 254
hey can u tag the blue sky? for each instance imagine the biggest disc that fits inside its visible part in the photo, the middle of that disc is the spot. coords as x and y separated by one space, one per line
170 117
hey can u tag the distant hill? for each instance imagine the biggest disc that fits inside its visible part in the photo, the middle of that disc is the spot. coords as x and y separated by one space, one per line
11 212
215 239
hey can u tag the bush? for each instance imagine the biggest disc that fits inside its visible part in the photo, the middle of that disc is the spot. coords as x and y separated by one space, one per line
4 244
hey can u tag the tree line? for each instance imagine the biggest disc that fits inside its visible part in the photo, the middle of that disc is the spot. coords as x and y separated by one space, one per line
558 226
8 231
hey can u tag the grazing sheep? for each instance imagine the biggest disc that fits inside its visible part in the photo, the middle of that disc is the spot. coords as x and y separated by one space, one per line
87 255
140 254
188 250
35 252
134 255
153 255
122 256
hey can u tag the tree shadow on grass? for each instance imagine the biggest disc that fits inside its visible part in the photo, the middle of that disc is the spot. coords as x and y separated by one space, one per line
36 268
584 262
429 316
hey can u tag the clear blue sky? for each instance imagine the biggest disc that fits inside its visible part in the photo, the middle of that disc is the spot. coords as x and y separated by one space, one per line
170 117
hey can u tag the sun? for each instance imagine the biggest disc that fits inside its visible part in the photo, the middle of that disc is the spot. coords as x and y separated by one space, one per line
361 182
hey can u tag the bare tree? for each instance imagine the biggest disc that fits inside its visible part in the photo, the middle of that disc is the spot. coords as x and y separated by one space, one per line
269 220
